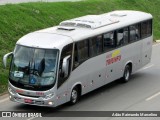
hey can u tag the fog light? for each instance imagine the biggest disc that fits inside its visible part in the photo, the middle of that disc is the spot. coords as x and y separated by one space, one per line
10 96
50 103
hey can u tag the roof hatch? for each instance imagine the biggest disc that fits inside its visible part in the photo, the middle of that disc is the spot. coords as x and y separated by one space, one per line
65 28
118 14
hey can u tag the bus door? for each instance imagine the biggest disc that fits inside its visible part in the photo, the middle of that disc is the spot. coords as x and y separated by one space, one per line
62 84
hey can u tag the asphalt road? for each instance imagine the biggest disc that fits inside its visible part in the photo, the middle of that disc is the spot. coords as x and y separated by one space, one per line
141 93
2 2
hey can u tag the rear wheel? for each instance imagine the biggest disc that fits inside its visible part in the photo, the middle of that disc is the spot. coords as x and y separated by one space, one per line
127 74
74 96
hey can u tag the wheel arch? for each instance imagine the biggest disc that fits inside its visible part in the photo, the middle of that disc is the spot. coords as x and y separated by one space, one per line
130 63
79 86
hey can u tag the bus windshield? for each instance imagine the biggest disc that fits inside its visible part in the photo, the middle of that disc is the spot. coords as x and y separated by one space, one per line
33 67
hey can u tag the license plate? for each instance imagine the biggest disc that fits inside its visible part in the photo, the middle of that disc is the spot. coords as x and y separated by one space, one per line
28 101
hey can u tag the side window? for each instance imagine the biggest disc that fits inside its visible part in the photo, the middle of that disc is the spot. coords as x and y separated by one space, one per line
67 50
95 46
108 41
80 52
146 28
134 31
122 36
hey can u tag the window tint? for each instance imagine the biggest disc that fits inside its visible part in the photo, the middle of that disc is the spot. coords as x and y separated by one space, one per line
95 45
146 28
122 36
67 50
82 48
134 32
108 41
80 52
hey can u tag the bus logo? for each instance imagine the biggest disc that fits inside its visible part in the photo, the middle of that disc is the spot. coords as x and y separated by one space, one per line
113 57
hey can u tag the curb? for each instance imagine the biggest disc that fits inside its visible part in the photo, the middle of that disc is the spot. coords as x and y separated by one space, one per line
158 41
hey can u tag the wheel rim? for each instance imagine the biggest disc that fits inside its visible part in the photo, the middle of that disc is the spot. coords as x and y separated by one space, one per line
74 96
127 74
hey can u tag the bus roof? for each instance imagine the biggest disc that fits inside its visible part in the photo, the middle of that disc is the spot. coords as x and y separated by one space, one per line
82 28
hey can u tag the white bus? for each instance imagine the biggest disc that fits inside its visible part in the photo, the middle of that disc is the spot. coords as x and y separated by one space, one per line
56 65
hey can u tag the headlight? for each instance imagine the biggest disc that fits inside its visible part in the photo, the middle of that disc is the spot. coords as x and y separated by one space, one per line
49 96
11 91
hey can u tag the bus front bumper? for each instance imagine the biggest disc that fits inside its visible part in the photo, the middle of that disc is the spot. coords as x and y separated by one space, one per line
31 100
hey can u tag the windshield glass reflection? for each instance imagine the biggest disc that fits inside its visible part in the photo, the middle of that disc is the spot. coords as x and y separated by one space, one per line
32 66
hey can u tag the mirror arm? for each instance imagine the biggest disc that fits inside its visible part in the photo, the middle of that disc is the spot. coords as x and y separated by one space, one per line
5 57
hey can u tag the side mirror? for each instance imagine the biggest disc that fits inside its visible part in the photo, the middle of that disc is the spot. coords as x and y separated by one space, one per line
5 57
65 66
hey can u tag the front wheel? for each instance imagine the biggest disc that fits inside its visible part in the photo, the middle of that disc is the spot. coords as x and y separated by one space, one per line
74 96
127 74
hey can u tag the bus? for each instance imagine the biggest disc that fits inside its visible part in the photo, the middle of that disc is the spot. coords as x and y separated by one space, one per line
52 66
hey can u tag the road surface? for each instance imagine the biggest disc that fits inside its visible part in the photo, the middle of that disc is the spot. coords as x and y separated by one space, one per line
141 93
2 2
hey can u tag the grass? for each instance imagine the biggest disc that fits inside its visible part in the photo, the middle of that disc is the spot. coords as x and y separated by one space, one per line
20 19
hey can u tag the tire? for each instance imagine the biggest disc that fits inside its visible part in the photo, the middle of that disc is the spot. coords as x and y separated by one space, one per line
127 74
74 96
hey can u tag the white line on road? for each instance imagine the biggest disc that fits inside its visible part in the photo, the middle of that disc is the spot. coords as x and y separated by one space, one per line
3 100
147 67
153 96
